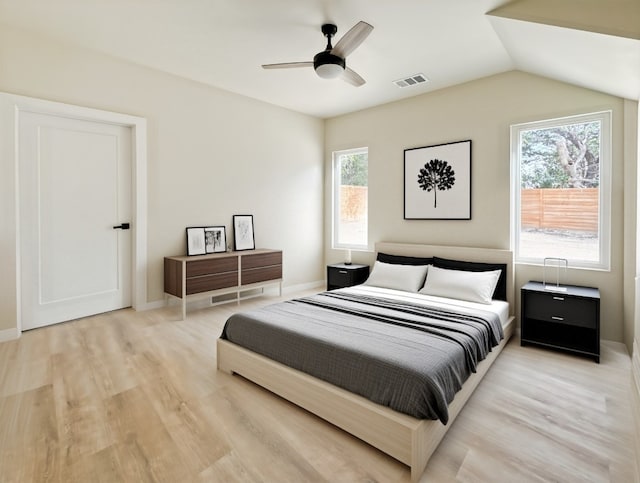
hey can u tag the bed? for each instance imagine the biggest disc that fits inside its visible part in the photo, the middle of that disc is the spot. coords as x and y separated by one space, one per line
409 436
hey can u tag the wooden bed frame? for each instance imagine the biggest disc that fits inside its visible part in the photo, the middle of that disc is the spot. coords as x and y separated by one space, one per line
409 440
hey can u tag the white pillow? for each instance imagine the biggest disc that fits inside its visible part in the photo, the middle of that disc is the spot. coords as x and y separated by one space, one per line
398 277
461 285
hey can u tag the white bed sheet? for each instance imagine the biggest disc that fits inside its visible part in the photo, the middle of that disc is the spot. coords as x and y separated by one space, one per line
499 307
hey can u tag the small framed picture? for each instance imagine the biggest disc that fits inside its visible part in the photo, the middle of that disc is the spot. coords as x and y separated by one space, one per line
195 240
215 239
243 237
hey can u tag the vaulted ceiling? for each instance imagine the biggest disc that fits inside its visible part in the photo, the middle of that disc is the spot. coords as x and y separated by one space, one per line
589 43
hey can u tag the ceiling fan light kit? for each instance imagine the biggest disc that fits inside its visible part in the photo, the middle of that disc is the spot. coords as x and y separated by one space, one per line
331 62
328 66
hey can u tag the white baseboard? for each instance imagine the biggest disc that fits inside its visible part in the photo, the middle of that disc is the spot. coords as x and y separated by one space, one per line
9 334
158 304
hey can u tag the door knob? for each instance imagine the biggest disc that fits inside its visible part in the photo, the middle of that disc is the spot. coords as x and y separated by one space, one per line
124 226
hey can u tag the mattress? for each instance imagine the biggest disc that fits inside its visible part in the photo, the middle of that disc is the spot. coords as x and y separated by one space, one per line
407 351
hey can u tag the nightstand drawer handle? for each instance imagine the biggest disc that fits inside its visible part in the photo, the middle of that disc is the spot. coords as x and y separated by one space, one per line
342 271
557 318
558 298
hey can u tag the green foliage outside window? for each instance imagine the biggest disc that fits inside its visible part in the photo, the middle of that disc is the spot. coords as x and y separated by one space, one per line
354 169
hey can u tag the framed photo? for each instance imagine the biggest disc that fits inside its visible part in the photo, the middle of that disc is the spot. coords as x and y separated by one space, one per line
243 238
437 182
195 240
215 239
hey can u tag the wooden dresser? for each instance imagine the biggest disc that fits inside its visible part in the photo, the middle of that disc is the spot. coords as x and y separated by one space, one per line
202 276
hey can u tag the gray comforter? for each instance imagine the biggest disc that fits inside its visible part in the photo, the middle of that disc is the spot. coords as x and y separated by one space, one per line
408 357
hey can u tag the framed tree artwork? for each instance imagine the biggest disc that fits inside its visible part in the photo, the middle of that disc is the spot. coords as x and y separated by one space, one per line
437 182
243 237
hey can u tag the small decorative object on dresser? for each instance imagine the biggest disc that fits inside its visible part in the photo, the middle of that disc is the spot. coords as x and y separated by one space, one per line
567 320
342 275
243 237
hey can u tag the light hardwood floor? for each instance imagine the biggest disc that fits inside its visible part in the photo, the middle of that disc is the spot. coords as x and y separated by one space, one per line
136 397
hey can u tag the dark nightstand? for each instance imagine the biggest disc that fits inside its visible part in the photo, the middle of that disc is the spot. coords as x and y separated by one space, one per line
340 275
568 320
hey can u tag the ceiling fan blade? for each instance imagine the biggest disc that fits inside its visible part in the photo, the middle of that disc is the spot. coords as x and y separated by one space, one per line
352 39
353 78
287 65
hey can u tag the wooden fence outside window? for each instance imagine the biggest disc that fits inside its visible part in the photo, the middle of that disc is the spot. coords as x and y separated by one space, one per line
353 202
562 209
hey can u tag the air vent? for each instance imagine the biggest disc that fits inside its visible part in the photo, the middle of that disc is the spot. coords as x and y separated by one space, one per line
413 80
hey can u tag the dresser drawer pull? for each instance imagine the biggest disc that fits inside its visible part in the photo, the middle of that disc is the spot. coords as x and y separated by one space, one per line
558 298
342 271
557 318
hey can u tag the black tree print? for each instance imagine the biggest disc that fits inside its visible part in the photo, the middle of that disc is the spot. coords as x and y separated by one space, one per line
436 175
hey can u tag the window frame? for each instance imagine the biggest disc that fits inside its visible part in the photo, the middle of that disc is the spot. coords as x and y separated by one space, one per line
335 199
604 205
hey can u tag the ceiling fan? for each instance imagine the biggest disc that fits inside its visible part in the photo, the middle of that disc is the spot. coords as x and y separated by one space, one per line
331 62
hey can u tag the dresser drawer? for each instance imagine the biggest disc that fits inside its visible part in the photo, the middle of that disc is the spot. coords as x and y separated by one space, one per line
557 307
261 260
256 275
216 281
208 266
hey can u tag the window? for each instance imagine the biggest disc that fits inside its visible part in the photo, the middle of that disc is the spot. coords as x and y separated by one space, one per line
350 199
561 191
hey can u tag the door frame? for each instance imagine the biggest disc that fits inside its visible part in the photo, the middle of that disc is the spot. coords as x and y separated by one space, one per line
138 126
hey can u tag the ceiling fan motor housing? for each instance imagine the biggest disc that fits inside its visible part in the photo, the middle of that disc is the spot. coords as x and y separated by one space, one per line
328 65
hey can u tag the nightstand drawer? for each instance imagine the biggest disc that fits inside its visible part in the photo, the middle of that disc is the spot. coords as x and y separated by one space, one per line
341 275
558 307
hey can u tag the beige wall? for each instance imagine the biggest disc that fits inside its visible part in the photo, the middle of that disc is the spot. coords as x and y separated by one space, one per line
211 154
482 111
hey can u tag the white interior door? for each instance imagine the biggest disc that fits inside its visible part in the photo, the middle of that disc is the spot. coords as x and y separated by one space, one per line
75 187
